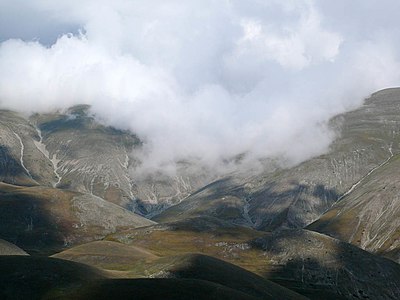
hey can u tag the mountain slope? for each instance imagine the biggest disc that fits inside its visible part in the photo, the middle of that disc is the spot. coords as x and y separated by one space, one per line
71 149
369 216
21 162
297 196
321 267
88 157
41 219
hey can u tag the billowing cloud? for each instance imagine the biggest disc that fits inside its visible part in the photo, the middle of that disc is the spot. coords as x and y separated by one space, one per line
205 80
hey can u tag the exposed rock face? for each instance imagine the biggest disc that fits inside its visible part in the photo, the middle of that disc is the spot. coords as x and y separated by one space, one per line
91 158
295 197
20 160
369 216
88 157
71 150
155 193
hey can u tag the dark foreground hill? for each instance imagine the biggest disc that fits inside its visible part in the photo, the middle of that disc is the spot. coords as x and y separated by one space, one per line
27 277
195 277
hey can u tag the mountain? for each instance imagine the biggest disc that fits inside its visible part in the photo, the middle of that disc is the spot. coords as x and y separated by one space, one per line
72 150
295 197
72 188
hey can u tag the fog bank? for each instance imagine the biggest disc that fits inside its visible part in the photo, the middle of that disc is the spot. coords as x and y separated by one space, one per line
203 80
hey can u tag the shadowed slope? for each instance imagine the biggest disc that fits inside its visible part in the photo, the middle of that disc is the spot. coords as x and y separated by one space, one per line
168 289
27 277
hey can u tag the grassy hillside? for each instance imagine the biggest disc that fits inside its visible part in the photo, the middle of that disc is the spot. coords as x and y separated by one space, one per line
7 248
309 263
137 263
107 255
45 220
202 267
26 277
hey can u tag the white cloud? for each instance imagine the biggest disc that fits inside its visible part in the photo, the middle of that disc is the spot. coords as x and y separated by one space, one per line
296 46
200 79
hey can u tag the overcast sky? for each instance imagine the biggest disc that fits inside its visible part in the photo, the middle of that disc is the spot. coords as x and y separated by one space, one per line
202 79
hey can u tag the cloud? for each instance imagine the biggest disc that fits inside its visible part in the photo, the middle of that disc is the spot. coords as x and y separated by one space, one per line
201 80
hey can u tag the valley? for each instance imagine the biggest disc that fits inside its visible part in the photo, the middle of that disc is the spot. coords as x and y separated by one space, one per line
77 221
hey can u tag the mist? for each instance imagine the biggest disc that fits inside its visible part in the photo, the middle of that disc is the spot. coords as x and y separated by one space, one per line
204 81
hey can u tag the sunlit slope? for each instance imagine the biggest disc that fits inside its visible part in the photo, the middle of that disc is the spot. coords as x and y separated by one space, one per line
134 262
202 267
7 248
369 217
107 255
